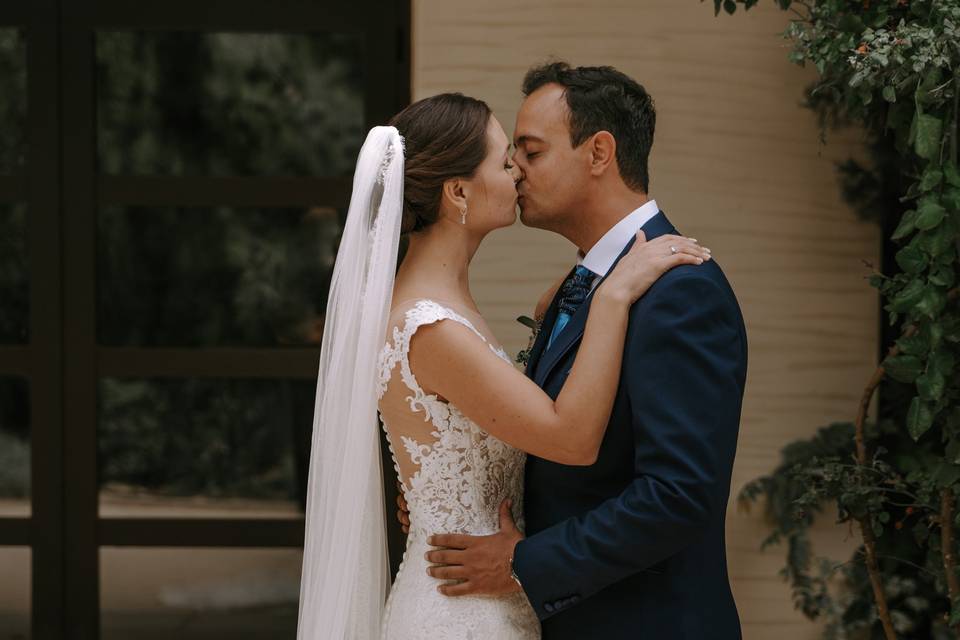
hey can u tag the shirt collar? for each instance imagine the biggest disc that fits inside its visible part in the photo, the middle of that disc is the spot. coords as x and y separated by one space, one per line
604 253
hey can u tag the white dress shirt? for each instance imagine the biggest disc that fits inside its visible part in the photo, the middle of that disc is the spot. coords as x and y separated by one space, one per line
602 255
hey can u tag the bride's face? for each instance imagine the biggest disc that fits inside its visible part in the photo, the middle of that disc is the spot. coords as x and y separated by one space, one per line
494 186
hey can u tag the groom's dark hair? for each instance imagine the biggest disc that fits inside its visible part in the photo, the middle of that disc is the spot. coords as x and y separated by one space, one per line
604 99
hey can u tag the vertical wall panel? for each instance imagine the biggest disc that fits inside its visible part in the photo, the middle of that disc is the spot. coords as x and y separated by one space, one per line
736 163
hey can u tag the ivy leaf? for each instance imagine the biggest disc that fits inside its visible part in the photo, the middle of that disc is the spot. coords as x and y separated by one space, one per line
943 276
951 329
931 302
918 344
942 363
929 214
931 385
951 173
889 94
924 93
911 259
954 615
907 224
953 451
919 418
729 6
939 240
931 179
951 198
929 136
945 474
908 297
903 368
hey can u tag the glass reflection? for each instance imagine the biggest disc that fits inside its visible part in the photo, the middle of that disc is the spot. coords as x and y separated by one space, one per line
214 277
184 103
14 280
15 589
158 593
14 447
13 106
204 447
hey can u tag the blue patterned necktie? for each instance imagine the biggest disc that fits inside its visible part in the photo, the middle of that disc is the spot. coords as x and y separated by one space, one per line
573 292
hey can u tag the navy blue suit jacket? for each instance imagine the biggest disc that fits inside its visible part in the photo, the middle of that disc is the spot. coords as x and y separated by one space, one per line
633 545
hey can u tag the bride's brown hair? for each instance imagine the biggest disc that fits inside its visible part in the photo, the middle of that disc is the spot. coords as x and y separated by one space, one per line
445 137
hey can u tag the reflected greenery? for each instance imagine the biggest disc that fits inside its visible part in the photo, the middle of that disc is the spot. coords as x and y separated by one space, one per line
13 105
14 282
14 438
213 437
208 277
184 103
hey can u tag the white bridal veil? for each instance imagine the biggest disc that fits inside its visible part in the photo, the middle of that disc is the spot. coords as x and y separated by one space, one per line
346 576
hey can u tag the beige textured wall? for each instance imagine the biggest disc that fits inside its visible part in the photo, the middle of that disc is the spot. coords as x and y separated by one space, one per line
737 164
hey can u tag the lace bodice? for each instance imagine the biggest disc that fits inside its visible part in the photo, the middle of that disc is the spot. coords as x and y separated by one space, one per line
454 474
454 477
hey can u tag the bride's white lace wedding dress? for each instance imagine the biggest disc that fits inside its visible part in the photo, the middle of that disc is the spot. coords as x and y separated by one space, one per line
454 477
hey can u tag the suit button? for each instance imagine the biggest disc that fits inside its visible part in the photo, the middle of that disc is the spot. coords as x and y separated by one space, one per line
548 608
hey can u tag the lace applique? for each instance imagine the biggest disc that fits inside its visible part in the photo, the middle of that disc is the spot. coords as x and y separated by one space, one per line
463 474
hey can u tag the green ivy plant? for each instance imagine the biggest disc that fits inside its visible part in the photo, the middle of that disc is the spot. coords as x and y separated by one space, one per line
891 67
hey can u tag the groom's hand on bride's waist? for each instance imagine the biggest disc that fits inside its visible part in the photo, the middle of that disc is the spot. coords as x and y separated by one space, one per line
478 565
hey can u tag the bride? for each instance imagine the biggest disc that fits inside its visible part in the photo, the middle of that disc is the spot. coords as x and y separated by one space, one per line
410 344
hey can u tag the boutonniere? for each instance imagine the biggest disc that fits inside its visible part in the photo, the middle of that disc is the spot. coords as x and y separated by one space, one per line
523 356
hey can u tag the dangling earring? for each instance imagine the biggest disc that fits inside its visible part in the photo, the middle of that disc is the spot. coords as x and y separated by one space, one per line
463 216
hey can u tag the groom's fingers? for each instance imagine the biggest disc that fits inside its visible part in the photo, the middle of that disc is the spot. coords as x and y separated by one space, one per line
445 557
450 540
461 589
448 573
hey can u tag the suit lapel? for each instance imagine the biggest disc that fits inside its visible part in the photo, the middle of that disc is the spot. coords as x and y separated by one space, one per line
573 332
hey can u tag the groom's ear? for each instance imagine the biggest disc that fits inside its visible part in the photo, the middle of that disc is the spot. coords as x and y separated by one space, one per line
603 152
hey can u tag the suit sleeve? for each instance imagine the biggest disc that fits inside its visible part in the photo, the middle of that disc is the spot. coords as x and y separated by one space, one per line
683 378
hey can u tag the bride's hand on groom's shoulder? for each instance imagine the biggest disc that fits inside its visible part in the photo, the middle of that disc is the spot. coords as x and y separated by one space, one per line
646 262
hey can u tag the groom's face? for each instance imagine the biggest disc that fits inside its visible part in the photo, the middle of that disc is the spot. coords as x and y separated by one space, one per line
553 171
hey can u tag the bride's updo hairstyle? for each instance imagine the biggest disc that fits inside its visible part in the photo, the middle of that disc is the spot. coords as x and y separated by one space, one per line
445 137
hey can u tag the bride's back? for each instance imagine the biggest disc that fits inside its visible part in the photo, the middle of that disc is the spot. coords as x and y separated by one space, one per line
454 474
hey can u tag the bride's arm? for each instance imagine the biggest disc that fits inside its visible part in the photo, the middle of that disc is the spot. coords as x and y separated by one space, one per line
448 359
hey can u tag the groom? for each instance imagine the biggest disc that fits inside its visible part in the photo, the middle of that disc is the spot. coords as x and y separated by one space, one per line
633 545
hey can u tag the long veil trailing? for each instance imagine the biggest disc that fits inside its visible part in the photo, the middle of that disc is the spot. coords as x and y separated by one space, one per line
346 577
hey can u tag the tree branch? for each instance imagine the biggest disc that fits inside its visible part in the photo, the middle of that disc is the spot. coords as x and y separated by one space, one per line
946 544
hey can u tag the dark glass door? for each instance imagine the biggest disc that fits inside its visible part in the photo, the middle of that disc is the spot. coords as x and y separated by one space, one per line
173 183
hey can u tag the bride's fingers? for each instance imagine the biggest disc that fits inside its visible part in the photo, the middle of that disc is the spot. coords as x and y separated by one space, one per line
675 245
671 261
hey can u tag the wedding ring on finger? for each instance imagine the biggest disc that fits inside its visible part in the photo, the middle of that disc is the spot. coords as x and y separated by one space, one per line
673 250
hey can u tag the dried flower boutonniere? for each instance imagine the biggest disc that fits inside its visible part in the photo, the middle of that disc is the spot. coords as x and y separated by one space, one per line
523 356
